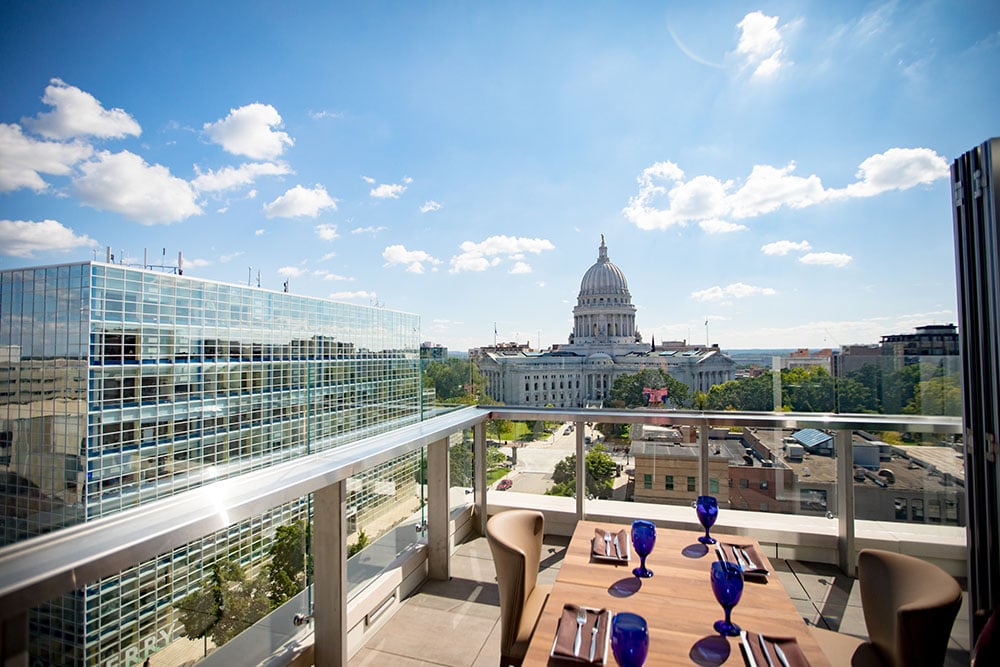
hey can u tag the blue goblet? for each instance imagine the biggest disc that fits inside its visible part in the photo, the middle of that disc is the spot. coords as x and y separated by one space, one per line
727 584
708 510
629 639
643 539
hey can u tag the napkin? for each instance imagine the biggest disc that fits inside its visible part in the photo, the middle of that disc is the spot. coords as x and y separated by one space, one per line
755 567
788 645
562 648
598 545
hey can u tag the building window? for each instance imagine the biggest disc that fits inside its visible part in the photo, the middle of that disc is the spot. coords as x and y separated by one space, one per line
647 481
744 484
691 483
713 484
668 482
763 485
918 510
901 507
763 507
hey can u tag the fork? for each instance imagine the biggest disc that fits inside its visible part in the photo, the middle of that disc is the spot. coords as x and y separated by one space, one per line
607 543
581 618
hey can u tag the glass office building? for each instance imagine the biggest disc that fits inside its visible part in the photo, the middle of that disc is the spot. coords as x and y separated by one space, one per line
120 385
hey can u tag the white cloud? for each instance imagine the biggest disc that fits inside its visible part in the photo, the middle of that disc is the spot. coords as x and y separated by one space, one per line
354 296
520 268
300 202
258 232
196 263
22 238
77 114
666 199
368 179
329 255
124 183
494 250
761 44
367 230
896 169
327 232
429 206
228 178
319 115
413 259
225 259
826 259
23 159
328 275
388 191
769 188
291 271
716 226
249 131
734 290
784 247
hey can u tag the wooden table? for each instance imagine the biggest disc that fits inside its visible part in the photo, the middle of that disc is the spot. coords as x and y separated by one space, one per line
677 602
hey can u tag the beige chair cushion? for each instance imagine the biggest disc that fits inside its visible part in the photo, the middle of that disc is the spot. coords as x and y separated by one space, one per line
515 539
910 606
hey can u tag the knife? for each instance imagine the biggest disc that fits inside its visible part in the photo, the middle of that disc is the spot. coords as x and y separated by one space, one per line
763 647
781 654
746 648
739 561
746 557
607 543
618 549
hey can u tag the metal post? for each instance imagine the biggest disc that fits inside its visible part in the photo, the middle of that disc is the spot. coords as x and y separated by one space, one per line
479 474
844 448
330 581
438 511
581 471
703 432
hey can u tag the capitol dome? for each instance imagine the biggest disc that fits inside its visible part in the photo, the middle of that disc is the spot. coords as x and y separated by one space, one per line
604 314
604 278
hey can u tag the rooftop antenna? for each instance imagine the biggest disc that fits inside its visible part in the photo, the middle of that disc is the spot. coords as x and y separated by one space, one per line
707 343
285 285
249 276
258 278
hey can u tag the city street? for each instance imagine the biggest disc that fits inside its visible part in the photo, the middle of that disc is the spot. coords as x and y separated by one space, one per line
536 460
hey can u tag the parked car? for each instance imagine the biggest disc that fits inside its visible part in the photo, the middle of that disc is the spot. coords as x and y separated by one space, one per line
505 484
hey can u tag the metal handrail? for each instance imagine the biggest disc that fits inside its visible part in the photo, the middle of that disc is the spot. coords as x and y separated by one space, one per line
46 566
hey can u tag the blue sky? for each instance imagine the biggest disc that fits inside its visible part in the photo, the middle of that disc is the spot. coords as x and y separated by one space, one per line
778 170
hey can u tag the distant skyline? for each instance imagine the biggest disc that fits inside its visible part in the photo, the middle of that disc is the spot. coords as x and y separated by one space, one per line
768 175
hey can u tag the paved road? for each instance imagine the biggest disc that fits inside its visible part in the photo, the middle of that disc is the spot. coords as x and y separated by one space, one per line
536 460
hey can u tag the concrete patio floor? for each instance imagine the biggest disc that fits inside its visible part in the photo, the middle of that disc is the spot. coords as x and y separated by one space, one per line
457 622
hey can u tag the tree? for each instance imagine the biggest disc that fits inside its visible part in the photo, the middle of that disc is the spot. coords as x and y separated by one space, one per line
226 604
285 572
453 379
745 394
600 471
359 545
628 388
807 389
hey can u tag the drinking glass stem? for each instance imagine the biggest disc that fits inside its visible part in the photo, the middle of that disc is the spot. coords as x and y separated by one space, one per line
642 563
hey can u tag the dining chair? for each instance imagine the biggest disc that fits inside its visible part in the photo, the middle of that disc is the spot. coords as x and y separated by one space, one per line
909 607
515 538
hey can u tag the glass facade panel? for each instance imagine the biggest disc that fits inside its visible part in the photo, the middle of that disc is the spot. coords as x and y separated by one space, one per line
119 386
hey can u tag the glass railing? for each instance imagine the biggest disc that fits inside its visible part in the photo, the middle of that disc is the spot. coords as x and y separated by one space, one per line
256 542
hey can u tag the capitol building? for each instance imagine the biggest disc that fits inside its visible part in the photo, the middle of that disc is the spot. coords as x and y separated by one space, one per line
603 345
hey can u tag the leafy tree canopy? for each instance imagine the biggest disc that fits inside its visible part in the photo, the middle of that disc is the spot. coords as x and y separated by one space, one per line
628 388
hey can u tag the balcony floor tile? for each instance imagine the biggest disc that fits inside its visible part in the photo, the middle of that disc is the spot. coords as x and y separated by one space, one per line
457 622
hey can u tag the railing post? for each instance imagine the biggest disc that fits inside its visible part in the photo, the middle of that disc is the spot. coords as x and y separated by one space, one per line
438 511
479 474
581 472
703 432
14 640
330 574
844 447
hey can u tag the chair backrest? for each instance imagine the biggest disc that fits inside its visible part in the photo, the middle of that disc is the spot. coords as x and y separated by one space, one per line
909 606
515 538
